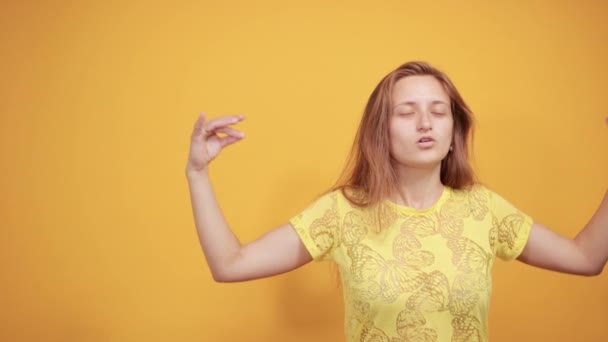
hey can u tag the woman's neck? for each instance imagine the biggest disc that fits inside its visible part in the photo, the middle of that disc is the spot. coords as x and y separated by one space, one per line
418 188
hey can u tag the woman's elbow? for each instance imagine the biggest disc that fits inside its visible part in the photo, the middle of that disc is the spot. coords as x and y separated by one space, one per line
223 277
592 270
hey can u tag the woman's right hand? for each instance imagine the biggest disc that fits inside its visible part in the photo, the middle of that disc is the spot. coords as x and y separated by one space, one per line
206 144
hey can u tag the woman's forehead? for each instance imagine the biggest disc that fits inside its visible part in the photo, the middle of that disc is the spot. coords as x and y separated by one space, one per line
429 92
419 89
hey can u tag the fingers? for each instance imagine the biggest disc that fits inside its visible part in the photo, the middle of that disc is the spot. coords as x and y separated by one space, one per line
204 128
230 131
229 140
223 121
198 125
232 136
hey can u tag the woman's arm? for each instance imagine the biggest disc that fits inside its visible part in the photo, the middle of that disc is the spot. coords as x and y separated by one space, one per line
586 254
278 251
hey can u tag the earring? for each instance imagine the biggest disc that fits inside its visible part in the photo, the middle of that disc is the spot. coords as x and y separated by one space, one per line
451 148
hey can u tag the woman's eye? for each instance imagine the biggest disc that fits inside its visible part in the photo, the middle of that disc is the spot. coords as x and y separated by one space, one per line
439 113
407 113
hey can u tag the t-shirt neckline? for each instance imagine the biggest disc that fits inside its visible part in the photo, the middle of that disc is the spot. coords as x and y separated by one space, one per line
410 210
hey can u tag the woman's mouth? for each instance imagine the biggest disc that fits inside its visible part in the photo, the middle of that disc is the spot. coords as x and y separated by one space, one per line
426 142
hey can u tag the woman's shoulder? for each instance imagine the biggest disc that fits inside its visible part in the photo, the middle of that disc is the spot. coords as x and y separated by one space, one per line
350 197
341 195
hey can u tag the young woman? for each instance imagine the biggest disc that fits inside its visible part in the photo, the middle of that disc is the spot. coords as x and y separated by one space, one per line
412 233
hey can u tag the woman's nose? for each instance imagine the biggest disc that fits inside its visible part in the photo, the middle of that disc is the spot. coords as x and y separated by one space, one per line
424 122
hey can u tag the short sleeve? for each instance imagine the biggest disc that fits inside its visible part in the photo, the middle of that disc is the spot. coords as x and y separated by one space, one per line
510 228
317 226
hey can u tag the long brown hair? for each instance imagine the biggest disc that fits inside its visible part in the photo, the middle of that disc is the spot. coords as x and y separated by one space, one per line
369 171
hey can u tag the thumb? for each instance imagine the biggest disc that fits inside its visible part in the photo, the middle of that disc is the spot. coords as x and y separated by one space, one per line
198 125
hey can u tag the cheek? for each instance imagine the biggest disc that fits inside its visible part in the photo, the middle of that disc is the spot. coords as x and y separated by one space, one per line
393 135
398 133
451 126
447 129
399 141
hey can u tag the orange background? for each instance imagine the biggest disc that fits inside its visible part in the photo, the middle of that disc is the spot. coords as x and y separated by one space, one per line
97 104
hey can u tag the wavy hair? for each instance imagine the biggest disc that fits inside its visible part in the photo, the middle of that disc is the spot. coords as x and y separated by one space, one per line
369 171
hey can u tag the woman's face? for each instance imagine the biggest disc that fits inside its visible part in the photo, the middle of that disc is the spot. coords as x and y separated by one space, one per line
421 123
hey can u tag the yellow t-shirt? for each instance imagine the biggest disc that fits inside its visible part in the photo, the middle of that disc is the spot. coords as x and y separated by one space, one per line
426 275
